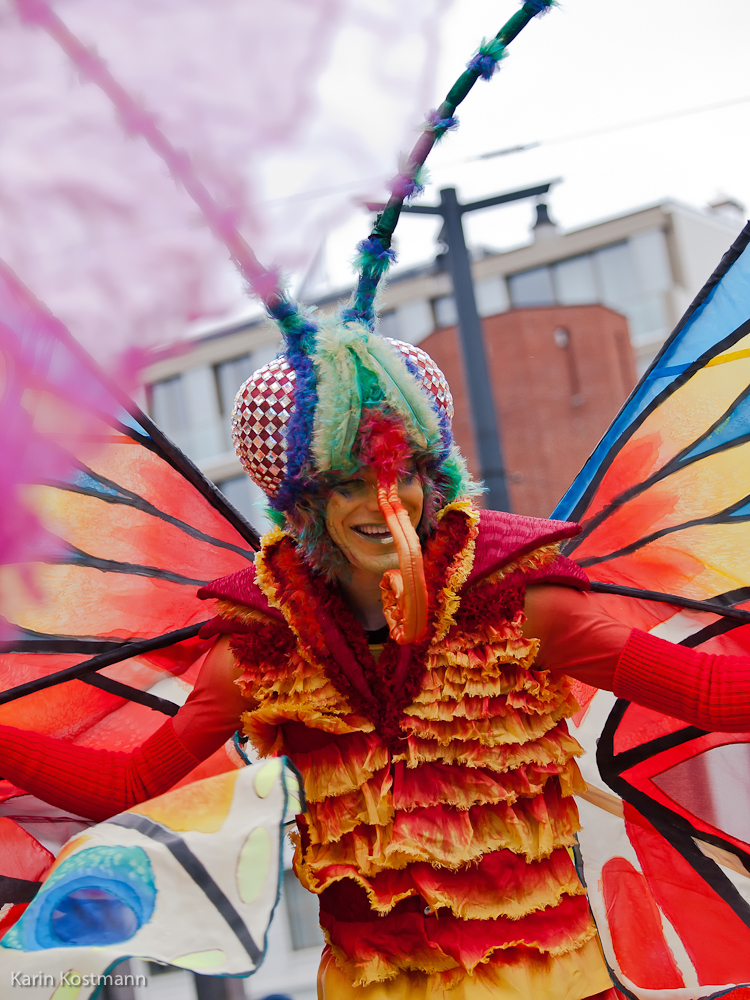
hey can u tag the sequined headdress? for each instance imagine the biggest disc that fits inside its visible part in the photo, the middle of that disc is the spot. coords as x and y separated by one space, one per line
265 403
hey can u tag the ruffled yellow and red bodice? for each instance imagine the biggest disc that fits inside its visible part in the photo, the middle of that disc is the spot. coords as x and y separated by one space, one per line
439 777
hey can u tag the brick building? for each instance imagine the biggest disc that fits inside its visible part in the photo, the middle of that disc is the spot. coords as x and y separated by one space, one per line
559 375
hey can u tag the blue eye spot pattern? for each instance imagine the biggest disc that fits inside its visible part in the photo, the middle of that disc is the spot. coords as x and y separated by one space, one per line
94 917
99 896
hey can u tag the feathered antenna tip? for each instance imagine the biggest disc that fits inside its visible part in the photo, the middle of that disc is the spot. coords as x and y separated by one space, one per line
439 126
298 329
540 6
407 184
485 59
372 257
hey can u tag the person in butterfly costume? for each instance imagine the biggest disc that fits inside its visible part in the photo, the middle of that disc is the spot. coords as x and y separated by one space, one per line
412 655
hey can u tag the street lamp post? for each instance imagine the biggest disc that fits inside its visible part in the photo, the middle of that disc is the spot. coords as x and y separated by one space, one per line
485 420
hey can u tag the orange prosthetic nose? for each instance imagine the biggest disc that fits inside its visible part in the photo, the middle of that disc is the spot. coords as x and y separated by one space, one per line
404 589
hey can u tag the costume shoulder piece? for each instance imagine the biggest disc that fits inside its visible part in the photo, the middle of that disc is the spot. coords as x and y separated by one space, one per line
241 603
514 545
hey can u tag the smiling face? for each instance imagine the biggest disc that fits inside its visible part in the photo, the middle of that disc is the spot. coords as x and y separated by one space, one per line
355 524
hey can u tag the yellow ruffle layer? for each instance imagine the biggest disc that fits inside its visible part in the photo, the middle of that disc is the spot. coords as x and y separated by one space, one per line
370 804
542 886
498 731
479 674
463 951
443 836
298 692
535 560
484 903
297 683
262 725
342 766
232 611
485 675
556 746
448 602
526 976
376 801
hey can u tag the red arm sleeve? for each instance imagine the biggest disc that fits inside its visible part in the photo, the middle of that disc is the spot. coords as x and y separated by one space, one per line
99 783
579 638
91 782
706 689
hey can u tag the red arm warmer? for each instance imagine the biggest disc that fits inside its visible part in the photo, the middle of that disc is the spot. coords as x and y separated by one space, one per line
90 782
99 783
580 639
705 689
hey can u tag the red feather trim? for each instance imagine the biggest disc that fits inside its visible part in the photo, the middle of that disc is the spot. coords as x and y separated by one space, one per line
484 605
267 645
383 445
305 595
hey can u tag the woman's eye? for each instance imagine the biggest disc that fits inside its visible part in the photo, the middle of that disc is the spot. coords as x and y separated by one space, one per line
349 487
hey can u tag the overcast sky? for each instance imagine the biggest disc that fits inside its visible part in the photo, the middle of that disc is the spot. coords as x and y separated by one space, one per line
587 67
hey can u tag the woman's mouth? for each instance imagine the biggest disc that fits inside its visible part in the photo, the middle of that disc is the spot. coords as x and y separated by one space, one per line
377 533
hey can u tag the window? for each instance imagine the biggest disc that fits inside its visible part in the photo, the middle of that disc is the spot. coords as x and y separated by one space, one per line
154 969
414 320
630 277
651 259
445 311
168 407
617 280
186 408
491 295
194 408
302 911
229 377
647 317
575 282
532 288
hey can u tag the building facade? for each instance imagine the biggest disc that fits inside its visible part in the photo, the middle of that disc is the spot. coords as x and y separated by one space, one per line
559 375
647 265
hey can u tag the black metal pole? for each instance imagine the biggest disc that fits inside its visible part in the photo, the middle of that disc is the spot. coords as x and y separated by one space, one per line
210 987
478 384
219 988
122 969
